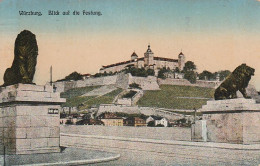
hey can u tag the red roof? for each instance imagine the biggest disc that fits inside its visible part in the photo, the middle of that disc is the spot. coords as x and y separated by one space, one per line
86 74
165 59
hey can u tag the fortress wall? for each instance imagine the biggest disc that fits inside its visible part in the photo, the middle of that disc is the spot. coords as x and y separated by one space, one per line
69 110
110 80
208 84
118 108
184 82
171 81
146 83
59 86
69 85
122 80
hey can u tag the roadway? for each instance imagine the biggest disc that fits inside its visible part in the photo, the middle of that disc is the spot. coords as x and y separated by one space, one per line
159 152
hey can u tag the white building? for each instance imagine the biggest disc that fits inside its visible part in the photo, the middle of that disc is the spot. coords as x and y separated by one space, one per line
157 120
162 121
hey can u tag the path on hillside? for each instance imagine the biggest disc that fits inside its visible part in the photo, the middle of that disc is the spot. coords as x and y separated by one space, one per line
101 91
203 98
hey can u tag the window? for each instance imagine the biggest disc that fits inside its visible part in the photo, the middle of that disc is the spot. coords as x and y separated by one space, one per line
53 111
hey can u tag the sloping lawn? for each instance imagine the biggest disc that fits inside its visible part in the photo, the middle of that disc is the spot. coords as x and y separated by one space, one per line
87 101
77 91
168 97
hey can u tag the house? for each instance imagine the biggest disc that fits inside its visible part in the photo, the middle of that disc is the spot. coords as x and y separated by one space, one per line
156 121
107 115
110 119
161 121
135 121
113 121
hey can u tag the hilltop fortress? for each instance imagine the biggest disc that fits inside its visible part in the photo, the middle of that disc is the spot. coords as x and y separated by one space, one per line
149 61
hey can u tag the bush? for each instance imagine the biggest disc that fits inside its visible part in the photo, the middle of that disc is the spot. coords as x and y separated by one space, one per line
150 72
151 124
161 73
135 85
139 72
129 94
69 122
160 125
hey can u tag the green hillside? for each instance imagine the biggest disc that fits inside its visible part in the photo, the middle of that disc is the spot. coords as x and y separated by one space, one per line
77 91
170 96
74 98
176 97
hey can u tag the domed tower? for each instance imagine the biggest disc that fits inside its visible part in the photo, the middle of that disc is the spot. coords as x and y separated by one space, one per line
148 57
134 56
181 61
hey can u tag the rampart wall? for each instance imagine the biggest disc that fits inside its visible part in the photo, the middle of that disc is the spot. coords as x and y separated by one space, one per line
184 82
123 81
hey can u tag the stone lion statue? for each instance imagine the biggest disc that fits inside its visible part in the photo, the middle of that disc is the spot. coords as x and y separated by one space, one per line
237 81
25 59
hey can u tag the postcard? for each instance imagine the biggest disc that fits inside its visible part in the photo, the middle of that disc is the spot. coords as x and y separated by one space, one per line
129 82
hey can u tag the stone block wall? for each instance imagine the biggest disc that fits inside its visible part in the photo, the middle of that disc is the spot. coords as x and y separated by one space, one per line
251 127
29 129
232 121
29 119
184 82
146 83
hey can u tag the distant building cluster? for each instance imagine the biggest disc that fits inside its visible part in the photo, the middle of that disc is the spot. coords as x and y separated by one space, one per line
149 61
112 119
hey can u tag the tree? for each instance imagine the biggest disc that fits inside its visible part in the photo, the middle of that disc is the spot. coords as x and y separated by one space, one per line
151 124
150 72
189 66
73 76
69 122
177 70
161 73
190 76
140 72
159 125
223 74
206 75
98 75
135 85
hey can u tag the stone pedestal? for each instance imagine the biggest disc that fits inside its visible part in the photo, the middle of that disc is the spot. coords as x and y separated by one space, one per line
229 121
29 119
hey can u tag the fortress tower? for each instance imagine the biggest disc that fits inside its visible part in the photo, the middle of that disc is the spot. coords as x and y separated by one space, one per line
148 57
134 56
181 61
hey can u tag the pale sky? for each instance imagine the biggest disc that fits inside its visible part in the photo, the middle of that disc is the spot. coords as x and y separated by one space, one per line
215 34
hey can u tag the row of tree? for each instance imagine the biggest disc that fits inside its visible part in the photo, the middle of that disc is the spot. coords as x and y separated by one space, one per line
190 73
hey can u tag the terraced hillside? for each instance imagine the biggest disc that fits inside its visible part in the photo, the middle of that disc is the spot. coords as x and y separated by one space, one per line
170 96
75 97
177 97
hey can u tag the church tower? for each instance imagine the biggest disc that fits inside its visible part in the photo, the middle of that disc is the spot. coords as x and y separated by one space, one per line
148 57
181 61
